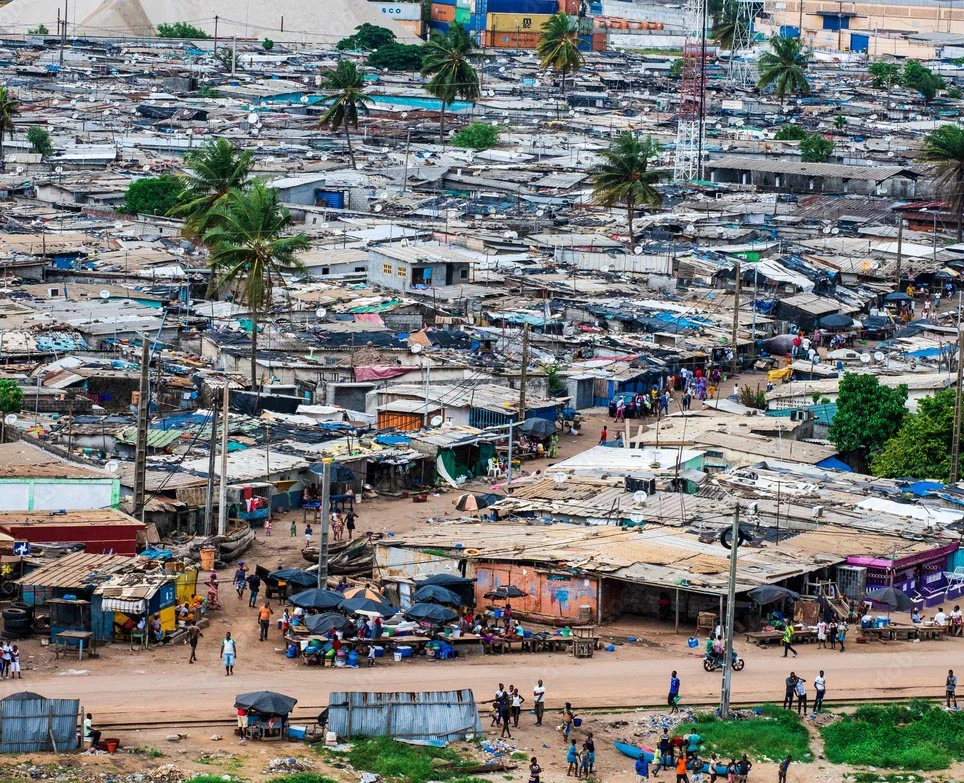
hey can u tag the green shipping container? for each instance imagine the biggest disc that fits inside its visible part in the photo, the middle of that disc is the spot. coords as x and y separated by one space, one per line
463 15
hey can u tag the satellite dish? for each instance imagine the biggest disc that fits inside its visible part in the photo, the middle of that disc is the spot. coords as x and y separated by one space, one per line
865 358
59 169
320 313
304 99
835 231
10 418
416 348
378 208
639 497
112 466
638 250
559 478
20 169
252 119
826 229
105 294
404 243
436 421
878 356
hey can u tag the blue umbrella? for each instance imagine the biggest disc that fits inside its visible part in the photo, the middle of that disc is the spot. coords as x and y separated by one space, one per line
436 594
359 604
318 599
323 623
432 613
295 576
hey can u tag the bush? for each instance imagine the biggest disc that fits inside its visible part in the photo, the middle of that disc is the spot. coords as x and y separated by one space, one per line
397 57
40 29
11 396
815 148
477 136
152 195
776 734
268 44
405 763
40 141
180 30
790 132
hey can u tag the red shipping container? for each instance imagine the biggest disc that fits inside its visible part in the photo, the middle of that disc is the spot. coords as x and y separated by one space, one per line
570 7
600 41
443 13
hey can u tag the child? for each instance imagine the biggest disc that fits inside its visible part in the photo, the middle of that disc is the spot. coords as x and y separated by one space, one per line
584 761
567 718
784 766
267 528
371 656
15 662
285 621
572 757
293 530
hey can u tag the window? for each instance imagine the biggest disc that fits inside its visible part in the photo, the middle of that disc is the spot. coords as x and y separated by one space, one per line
463 274
326 270
401 271
386 269
361 268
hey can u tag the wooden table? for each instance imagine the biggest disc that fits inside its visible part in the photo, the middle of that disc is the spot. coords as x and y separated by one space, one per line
931 631
80 636
764 638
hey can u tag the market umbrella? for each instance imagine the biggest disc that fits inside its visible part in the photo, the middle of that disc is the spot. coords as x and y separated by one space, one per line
323 623
431 613
436 594
295 576
265 702
836 321
539 428
505 592
457 584
781 344
365 592
470 502
362 605
771 594
892 598
317 598
897 296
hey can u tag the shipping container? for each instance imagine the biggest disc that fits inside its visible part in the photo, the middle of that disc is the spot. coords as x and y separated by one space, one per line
441 27
513 40
600 41
570 7
511 23
443 13
462 16
481 7
477 22
417 27
409 12
443 2
463 4
523 6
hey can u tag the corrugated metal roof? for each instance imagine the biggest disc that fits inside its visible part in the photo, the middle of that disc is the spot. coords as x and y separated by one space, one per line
77 571
432 715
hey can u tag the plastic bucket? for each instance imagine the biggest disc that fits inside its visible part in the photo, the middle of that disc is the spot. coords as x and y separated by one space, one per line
398 657
207 558
693 642
111 744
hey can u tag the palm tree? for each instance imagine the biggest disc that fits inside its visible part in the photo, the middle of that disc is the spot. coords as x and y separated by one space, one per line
348 99
557 47
250 251
840 122
9 108
785 67
212 172
624 176
725 31
446 60
944 149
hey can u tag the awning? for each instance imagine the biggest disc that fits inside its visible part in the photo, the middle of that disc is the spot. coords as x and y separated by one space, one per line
135 607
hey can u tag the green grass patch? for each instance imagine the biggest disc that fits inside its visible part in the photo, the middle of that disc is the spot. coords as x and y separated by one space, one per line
397 761
773 735
211 779
882 777
916 735
146 750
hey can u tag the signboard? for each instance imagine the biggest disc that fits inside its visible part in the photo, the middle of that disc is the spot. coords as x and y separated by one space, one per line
409 12
21 548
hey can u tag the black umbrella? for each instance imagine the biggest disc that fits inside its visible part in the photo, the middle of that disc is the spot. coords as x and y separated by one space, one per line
457 584
359 604
539 428
892 598
836 321
505 592
265 702
436 594
470 502
295 576
323 623
431 613
898 296
771 594
781 344
317 598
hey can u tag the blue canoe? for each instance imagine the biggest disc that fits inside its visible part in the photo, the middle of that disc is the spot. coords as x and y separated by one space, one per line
633 751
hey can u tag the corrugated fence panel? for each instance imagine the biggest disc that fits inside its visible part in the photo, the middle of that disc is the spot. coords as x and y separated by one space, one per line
436 715
27 726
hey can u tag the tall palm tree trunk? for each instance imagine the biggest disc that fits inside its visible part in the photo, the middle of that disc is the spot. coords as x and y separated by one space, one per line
351 152
630 204
441 125
959 202
254 348
563 82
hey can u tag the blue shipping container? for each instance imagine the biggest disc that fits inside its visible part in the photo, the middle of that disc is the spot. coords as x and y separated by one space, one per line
444 2
522 7
786 31
442 27
477 22
481 7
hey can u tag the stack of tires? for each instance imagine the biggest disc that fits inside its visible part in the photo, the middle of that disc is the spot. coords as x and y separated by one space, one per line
17 621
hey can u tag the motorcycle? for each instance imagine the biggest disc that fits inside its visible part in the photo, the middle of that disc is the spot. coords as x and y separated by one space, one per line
711 663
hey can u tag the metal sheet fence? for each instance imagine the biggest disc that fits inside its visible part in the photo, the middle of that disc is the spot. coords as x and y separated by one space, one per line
39 725
435 715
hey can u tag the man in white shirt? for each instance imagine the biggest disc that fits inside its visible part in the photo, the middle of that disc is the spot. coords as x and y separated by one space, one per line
539 699
940 618
822 634
820 686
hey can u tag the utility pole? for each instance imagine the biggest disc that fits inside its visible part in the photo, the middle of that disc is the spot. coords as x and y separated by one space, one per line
325 518
408 141
223 489
524 375
140 453
214 51
900 244
212 457
63 34
956 436
736 310
234 56
730 617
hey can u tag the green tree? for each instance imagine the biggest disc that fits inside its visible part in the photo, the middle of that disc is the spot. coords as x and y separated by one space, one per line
922 446
267 44
943 149
624 176
555 383
180 30
152 195
446 62
40 29
728 26
923 80
477 136
397 57
785 67
368 37
347 98
211 172
40 141
250 251
868 414
840 122
9 109
11 396
815 148
226 56
676 68
557 48
954 92
790 132
884 74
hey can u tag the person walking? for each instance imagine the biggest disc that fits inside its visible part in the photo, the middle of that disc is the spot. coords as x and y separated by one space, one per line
664 749
241 578
264 617
567 719
229 653
505 714
254 587
307 534
950 689
539 701
572 759
496 702
842 635
801 689
193 633
820 688
787 642
784 766
603 436
681 776
350 524
672 698
642 769
791 683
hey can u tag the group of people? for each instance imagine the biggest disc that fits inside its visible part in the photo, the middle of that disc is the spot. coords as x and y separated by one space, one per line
506 708
582 761
834 632
796 691
682 755
9 661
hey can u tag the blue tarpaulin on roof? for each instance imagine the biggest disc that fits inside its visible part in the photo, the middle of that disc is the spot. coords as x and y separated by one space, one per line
832 463
922 488
392 440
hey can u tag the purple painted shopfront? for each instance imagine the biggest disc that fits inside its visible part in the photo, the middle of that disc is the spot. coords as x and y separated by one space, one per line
920 575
